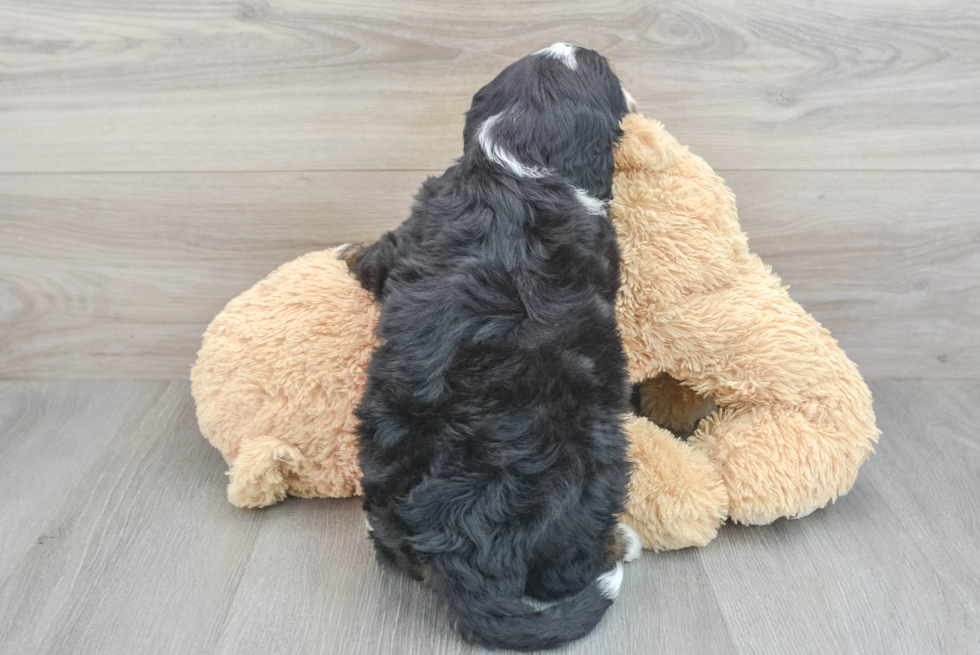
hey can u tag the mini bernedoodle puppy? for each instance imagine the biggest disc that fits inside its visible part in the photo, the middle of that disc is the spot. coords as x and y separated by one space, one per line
491 442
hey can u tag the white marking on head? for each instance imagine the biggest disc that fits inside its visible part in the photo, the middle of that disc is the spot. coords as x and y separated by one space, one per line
497 154
562 51
592 204
631 105
610 582
634 547
369 526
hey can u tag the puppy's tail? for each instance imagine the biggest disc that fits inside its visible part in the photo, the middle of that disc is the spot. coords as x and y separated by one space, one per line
495 619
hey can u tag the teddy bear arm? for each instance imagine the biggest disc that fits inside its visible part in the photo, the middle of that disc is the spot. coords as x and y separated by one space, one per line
784 461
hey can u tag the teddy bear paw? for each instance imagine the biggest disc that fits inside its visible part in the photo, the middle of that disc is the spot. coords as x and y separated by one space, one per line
677 496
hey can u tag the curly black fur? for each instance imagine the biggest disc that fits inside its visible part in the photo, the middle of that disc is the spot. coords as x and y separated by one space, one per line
490 427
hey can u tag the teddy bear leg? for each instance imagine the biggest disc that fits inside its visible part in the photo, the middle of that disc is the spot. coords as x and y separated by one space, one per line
259 475
780 463
677 497
671 405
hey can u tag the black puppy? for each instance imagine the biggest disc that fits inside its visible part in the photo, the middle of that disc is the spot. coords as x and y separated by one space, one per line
491 442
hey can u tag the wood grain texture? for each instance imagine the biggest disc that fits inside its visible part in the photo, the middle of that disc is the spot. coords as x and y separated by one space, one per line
110 85
67 426
144 554
893 567
138 560
117 275
313 582
889 262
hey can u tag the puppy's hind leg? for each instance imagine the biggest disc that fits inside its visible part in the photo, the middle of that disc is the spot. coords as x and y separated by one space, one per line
550 580
624 544
371 264
551 577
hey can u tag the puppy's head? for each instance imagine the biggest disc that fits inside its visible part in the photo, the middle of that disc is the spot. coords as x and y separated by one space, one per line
555 111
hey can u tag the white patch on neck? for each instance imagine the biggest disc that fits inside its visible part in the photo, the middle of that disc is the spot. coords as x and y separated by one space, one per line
592 204
497 154
562 51
610 582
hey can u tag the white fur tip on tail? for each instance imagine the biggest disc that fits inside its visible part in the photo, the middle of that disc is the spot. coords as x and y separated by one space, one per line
610 582
634 547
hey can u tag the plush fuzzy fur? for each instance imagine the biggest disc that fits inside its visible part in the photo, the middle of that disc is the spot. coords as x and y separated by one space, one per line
284 364
491 437
794 419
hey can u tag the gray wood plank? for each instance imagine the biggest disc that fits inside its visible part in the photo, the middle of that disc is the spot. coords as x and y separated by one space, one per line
893 567
116 276
312 585
889 262
101 85
667 605
144 554
50 434
122 273
940 451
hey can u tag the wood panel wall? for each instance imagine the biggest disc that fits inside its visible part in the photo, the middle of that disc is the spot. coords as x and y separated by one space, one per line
157 157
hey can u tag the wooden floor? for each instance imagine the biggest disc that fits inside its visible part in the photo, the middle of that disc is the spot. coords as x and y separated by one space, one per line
116 538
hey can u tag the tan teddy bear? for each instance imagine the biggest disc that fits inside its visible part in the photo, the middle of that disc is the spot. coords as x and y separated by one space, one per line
778 418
